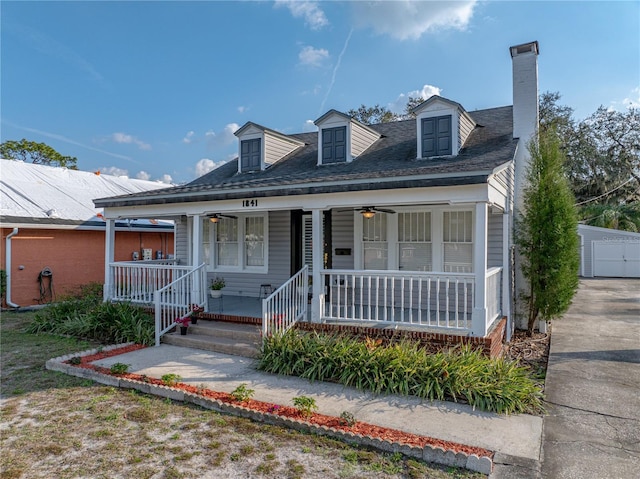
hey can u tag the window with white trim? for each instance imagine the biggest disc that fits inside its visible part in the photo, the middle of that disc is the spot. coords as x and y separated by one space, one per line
374 242
414 241
254 241
236 244
226 241
457 238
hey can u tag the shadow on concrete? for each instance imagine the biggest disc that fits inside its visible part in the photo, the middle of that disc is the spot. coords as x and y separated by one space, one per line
616 355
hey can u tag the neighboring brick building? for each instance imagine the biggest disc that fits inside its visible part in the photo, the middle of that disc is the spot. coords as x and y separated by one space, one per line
59 231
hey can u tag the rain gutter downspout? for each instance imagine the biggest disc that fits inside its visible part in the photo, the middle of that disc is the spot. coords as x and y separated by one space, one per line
8 266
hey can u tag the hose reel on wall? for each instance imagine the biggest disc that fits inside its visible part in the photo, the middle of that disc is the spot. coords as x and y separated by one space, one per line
45 280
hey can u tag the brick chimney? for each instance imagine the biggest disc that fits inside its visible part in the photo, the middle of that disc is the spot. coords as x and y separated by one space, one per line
524 59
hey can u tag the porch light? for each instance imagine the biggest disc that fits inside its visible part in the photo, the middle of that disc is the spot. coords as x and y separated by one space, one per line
368 214
214 219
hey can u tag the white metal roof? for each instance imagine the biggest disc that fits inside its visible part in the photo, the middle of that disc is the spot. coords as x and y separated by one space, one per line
40 193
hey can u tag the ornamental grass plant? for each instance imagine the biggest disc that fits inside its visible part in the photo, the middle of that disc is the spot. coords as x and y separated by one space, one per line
85 316
460 374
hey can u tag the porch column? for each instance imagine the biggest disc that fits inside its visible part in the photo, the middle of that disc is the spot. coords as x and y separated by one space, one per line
479 318
109 255
506 273
196 240
317 240
196 249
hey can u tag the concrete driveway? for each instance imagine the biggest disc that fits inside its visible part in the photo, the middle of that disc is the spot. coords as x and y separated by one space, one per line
593 385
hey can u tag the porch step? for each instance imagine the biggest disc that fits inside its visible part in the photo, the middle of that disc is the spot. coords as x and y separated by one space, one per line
219 336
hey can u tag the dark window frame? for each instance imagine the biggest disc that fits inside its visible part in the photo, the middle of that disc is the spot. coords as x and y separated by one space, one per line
251 160
432 144
333 148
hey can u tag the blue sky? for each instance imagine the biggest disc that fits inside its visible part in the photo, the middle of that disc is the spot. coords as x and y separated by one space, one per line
155 90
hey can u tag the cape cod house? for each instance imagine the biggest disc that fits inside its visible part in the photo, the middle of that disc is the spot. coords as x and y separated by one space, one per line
405 223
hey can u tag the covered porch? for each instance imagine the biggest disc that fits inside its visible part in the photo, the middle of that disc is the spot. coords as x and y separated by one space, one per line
445 265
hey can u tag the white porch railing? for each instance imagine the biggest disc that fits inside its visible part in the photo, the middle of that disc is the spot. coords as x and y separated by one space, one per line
435 300
286 305
175 299
136 281
494 295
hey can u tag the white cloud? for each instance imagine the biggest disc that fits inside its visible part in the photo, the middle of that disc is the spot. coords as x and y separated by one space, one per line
188 138
408 19
129 139
222 138
242 109
143 175
114 171
166 179
309 125
313 16
425 92
205 165
312 56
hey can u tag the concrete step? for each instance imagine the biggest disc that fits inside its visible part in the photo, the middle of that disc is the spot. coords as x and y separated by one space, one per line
221 329
228 338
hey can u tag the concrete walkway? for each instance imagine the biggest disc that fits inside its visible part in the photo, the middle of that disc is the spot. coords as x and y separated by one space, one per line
513 436
593 385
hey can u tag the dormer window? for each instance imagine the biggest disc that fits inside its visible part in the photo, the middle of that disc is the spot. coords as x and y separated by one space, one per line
443 127
341 139
436 136
334 145
251 155
261 147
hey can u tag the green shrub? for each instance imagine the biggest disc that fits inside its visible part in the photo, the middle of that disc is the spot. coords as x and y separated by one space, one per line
171 379
460 374
90 318
242 393
119 368
305 404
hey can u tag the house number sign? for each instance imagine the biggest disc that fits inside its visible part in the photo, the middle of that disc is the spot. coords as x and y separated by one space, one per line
249 203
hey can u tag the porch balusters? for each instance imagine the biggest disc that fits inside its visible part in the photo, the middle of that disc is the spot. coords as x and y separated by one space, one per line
420 299
286 305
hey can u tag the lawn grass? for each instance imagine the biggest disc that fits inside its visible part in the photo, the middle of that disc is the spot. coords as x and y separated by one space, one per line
54 425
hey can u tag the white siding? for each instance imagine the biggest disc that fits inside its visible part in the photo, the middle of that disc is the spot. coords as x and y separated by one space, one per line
494 241
342 225
503 181
465 127
182 240
276 148
248 284
361 139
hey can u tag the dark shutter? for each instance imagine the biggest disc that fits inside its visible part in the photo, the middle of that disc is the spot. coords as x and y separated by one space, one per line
250 155
334 145
436 136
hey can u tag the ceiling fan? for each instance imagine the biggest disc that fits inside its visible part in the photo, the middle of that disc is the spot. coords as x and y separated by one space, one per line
370 211
215 217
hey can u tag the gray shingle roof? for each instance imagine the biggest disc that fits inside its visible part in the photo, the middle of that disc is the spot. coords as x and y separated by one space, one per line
489 145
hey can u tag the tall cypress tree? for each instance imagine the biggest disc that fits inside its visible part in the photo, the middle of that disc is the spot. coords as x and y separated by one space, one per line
547 234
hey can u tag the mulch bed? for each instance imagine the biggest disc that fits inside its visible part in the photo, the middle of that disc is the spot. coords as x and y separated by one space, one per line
361 428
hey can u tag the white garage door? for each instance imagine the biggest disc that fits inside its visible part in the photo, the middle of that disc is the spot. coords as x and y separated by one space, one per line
617 260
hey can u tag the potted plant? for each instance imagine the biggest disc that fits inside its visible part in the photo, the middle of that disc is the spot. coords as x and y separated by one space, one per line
195 310
216 287
183 322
